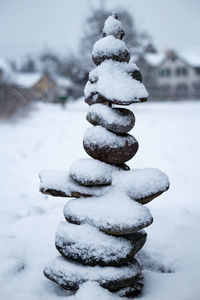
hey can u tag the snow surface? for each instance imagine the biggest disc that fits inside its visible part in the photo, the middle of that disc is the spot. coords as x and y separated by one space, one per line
113 26
108 45
91 170
141 183
100 136
51 138
115 83
89 242
108 115
113 211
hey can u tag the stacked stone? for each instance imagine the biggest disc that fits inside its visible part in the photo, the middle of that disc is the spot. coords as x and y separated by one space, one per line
104 227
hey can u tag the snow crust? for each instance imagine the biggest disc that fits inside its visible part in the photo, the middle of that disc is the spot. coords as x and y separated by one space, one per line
108 115
88 242
141 183
100 136
108 45
66 271
112 26
91 170
115 83
114 211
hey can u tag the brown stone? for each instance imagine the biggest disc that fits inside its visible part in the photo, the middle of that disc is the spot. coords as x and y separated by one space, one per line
113 155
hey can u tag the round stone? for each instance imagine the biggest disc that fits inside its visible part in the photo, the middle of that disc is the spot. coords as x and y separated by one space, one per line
87 245
109 147
91 172
117 120
113 213
71 275
110 48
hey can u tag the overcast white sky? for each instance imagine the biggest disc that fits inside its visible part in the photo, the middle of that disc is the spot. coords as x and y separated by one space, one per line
27 26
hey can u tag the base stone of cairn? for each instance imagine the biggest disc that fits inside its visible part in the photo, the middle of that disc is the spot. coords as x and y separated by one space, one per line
103 230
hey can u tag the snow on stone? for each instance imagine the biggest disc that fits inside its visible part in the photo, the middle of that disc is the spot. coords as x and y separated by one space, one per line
102 137
65 271
109 45
108 115
114 212
113 26
59 181
114 82
141 183
90 243
87 170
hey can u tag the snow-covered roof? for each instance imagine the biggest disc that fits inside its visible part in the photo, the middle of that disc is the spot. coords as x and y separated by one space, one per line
190 57
63 81
27 80
155 59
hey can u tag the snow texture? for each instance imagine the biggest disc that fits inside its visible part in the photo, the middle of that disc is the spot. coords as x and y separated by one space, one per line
89 170
107 46
113 27
100 136
59 181
108 115
89 243
66 271
114 82
113 212
29 219
141 183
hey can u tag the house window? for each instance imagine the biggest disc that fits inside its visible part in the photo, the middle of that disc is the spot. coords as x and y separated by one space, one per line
181 71
197 71
173 58
165 72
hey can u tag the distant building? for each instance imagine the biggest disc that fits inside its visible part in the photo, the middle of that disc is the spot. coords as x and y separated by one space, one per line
43 86
171 75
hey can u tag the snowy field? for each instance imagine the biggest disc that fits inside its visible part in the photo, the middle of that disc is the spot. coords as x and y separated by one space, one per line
51 138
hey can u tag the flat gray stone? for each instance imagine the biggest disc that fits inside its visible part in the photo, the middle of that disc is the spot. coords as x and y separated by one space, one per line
71 275
117 120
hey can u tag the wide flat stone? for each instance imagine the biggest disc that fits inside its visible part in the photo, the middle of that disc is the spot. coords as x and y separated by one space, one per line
109 147
141 185
87 245
117 120
114 213
71 275
91 172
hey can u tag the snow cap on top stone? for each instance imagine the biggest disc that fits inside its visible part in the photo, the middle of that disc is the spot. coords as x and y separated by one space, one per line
114 27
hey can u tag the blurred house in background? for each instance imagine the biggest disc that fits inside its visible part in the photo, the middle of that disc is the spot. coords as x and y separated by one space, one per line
44 86
171 75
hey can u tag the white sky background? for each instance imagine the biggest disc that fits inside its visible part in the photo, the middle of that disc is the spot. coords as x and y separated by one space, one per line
27 26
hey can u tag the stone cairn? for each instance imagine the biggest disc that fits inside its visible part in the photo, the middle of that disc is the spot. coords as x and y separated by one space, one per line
104 227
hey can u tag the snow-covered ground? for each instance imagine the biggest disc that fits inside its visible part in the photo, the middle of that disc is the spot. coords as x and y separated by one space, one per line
51 138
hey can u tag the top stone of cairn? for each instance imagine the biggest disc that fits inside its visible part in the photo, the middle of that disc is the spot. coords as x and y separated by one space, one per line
115 79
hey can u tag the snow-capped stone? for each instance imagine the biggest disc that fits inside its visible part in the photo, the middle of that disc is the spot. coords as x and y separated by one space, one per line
115 83
70 275
141 185
58 183
114 213
118 120
91 172
109 147
110 48
86 244
113 27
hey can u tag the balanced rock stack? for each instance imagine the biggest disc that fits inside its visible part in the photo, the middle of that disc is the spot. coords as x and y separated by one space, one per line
104 227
